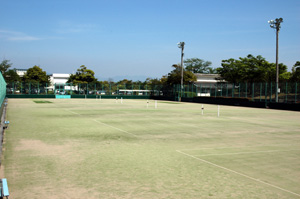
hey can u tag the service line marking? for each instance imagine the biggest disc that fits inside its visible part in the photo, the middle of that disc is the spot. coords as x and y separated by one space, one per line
72 112
241 174
116 128
106 124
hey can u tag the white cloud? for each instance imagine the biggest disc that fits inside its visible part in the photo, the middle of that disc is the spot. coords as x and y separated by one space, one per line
17 36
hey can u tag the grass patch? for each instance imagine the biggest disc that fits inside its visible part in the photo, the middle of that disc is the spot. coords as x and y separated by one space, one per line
169 102
41 101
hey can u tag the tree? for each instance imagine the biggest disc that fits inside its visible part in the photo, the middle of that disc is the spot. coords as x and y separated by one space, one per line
82 76
197 65
11 76
295 76
231 71
251 69
125 82
174 77
4 66
36 75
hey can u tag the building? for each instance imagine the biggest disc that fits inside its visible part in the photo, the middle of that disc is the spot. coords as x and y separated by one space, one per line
206 83
21 72
59 82
59 78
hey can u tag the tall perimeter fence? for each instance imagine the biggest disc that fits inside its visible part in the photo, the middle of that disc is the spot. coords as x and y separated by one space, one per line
2 110
259 92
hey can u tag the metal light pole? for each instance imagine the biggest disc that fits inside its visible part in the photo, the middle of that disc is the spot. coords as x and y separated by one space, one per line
276 25
181 45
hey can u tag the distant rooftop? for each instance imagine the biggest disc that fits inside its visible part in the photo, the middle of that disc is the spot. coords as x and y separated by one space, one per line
61 75
17 69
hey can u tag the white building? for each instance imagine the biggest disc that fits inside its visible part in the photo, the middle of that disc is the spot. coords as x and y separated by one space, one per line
21 72
207 78
58 82
59 78
206 82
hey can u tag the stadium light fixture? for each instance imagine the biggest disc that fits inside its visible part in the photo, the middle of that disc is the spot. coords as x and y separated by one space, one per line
181 45
276 25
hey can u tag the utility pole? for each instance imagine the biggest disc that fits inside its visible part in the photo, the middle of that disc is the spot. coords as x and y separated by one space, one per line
276 25
181 45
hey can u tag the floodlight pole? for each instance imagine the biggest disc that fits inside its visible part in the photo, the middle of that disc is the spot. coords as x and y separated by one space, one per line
276 25
181 45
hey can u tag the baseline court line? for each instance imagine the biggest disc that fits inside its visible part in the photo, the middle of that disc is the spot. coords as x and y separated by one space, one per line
232 171
270 151
236 147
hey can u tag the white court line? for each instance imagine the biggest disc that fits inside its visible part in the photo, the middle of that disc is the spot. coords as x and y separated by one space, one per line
73 112
115 128
232 171
106 124
252 152
236 147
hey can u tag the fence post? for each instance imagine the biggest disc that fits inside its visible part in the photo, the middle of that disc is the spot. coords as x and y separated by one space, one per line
260 92
253 91
286 92
226 89
222 90
246 90
271 92
71 88
192 90
216 88
296 93
266 92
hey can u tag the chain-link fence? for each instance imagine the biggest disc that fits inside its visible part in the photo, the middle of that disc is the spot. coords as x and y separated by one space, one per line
288 92
22 88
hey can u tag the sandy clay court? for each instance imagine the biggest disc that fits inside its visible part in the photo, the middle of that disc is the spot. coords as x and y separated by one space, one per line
92 148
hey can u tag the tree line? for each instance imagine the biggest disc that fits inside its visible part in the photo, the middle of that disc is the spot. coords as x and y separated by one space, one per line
248 69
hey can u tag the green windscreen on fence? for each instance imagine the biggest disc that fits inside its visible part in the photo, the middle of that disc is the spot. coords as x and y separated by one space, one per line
2 89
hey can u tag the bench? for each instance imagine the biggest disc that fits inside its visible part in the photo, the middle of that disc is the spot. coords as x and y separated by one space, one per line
4 188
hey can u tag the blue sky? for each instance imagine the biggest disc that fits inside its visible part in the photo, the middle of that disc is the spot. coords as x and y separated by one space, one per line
138 38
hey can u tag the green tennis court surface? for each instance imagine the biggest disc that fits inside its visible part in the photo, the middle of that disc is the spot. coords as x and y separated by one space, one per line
74 148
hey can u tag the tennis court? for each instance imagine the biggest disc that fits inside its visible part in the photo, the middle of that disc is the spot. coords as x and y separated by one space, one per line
74 148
